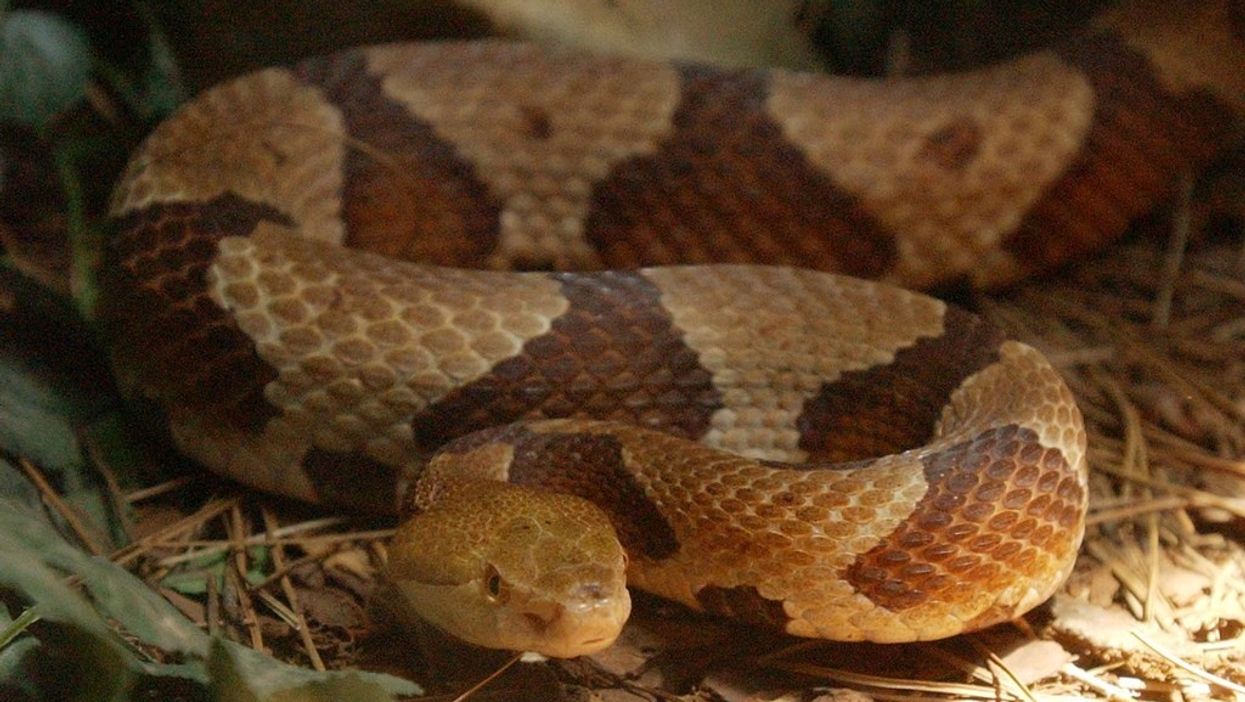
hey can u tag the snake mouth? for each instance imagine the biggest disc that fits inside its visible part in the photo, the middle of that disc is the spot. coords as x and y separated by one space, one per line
598 642
570 629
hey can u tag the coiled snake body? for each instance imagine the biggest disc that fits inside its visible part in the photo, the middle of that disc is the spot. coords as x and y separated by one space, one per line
838 458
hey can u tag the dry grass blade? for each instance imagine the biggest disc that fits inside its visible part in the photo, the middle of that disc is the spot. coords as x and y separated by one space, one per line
76 524
490 678
1097 684
235 577
1175 253
1189 667
158 489
193 522
1163 397
291 596
880 682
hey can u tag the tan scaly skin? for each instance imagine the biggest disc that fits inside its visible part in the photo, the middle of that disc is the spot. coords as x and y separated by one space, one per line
975 527
827 456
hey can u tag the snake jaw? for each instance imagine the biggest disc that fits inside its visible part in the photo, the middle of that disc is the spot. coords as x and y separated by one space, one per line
574 626
525 622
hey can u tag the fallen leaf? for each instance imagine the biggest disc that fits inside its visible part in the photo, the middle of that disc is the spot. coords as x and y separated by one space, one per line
1036 660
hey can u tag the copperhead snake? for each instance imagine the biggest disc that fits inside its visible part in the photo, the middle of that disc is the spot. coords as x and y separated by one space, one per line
837 458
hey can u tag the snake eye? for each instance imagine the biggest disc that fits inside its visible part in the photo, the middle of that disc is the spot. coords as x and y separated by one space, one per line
495 586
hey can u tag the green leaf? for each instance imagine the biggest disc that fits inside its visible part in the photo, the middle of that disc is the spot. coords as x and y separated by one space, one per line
162 81
53 391
15 486
34 565
192 580
85 646
14 627
158 89
44 65
16 650
36 415
231 682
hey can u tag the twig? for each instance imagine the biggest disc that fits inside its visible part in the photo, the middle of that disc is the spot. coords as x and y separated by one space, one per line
147 493
291 596
213 605
250 618
209 511
66 512
116 498
1133 509
290 567
977 692
490 678
1187 666
1175 253
1112 692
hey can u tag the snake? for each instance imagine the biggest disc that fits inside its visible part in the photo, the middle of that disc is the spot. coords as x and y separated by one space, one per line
590 321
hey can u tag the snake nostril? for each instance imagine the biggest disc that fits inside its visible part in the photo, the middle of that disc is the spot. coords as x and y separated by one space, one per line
538 622
542 615
591 591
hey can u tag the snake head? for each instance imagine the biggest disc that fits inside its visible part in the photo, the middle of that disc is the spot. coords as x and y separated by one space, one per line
508 567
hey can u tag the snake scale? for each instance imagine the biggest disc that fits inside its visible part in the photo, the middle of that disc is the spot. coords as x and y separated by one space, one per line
288 291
